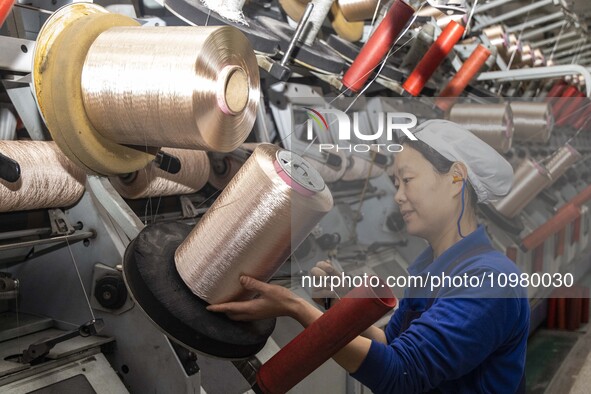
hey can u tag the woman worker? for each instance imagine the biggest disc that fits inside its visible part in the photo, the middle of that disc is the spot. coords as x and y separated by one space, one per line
458 340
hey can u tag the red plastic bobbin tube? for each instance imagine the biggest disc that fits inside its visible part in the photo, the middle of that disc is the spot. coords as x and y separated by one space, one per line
581 198
458 83
556 223
433 58
378 45
556 91
568 113
5 7
353 314
561 101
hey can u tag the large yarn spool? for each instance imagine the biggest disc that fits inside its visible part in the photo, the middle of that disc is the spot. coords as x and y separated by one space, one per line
264 213
225 165
347 30
62 45
530 179
152 181
358 10
492 123
533 121
562 160
47 178
208 101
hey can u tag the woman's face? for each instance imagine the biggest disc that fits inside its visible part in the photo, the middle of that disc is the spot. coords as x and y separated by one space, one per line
424 197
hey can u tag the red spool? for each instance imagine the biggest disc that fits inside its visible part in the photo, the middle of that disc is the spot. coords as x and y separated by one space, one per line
581 198
467 72
560 102
433 58
556 91
352 315
562 218
568 114
378 45
5 7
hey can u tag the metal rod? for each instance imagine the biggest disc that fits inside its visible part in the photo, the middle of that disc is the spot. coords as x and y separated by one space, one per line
298 33
25 233
582 61
491 5
30 7
529 74
514 13
537 32
77 236
536 22
552 40
565 45
570 52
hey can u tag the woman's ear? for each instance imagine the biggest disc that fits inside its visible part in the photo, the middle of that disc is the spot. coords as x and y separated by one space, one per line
459 172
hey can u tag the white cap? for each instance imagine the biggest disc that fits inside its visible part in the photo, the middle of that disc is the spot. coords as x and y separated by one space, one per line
489 173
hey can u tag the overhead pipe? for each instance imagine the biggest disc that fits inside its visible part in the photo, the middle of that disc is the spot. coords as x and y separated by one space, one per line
529 74
512 14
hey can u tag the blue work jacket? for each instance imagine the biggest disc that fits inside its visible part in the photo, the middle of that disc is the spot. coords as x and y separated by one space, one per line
468 339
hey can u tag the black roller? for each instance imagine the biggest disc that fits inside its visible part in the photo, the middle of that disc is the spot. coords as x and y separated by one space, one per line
319 55
154 283
196 14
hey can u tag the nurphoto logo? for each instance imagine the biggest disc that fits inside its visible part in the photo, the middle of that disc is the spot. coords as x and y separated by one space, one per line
388 123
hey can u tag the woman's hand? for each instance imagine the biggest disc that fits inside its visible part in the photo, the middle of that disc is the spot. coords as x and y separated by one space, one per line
272 301
319 294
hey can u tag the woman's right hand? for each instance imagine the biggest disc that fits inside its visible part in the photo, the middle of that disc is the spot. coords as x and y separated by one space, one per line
320 294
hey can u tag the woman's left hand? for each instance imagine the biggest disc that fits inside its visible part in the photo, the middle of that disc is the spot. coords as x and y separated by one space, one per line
272 301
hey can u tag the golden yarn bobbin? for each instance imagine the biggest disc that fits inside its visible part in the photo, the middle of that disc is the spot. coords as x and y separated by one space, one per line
562 160
530 179
62 45
225 166
152 181
264 213
533 122
492 123
47 178
358 10
182 87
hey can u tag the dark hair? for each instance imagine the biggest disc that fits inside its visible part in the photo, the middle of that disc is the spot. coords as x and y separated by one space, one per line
440 164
